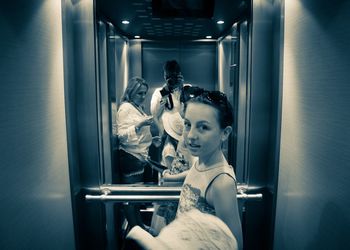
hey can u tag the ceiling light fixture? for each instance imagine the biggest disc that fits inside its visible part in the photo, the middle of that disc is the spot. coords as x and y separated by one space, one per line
220 22
125 22
208 37
137 37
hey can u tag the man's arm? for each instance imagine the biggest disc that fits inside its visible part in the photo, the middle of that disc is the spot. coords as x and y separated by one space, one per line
157 108
155 102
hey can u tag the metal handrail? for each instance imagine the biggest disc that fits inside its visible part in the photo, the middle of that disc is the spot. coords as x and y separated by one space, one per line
127 193
139 189
132 198
152 198
153 188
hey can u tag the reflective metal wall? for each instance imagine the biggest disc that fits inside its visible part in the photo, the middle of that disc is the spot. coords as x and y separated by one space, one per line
260 131
35 197
313 207
83 122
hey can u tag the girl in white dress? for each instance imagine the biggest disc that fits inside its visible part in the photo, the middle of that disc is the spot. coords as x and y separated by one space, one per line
210 185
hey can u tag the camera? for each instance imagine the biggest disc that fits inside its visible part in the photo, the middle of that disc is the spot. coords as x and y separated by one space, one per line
164 92
174 81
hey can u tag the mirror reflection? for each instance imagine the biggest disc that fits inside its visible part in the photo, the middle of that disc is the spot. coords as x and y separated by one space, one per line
211 64
169 88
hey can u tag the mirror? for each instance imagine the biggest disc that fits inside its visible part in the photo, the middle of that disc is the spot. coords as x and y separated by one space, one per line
119 56
217 63
213 64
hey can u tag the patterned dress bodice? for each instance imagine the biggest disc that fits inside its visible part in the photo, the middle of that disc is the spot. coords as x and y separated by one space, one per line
195 187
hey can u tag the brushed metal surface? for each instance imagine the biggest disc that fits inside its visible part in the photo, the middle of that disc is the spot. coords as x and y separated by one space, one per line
259 93
80 52
242 103
104 101
258 129
34 181
313 207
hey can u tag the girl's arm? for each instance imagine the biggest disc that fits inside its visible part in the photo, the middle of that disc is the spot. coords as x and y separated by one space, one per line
222 195
168 153
175 177
168 159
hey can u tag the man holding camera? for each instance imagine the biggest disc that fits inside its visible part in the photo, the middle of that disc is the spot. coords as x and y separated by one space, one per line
167 97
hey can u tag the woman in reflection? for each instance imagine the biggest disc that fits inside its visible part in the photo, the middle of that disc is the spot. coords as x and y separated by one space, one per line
135 138
210 184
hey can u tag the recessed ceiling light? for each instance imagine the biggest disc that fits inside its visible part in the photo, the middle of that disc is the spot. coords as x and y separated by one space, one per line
208 37
125 22
220 22
137 37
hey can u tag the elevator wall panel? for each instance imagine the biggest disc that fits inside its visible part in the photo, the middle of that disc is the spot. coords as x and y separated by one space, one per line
36 210
84 146
256 129
313 205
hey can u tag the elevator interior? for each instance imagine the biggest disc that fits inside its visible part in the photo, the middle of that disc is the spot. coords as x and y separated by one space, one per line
297 124
108 54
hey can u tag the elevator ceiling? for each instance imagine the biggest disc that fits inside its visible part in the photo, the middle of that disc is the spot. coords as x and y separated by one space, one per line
172 19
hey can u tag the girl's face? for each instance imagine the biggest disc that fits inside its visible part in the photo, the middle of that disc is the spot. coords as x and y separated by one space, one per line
202 132
139 96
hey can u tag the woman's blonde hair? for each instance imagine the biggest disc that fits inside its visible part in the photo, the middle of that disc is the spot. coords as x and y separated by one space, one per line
133 86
